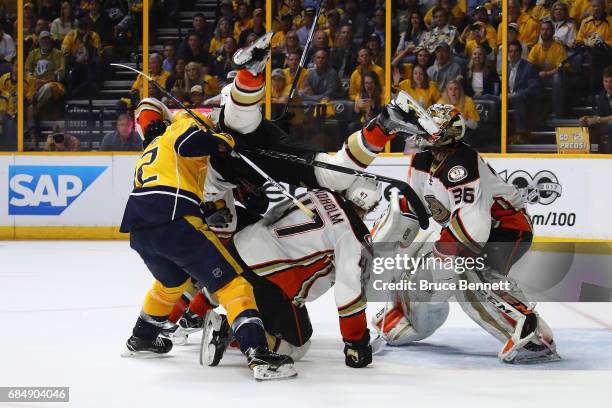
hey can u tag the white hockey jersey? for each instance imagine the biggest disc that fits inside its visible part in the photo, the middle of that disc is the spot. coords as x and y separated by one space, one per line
306 257
466 197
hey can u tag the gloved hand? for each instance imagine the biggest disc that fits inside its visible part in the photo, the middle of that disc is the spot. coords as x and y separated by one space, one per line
358 354
154 129
217 215
226 142
393 119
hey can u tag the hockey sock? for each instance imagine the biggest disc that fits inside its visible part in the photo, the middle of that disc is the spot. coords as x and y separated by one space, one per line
200 305
248 329
179 309
160 299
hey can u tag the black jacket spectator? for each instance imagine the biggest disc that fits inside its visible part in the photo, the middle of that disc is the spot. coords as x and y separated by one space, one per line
527 80
490 78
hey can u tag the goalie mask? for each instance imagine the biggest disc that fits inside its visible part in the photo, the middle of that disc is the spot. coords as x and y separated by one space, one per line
445 125
365 193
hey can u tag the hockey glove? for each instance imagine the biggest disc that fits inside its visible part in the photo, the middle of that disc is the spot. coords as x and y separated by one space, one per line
217 215
358 354
154 129
393 119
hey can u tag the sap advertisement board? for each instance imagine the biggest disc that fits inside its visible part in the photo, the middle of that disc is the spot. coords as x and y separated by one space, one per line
566 197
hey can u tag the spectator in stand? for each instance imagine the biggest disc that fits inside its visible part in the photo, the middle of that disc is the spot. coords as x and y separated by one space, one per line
226 8
124 138
402 14
477 38
364 58
194 75
343 57
332 26
547 55
369 102
81 37
7 51
177 76
290 45
63 24
8 107
528 27
155 71
29 19
596 34
600 123
250 40
453 94
512 36
293 61
356 19
99 22
523 88
581 9
454 11
258 27
304 30
565 29
62 142
376 49
409 40
481 14
195 53
244 20
286 24
196 97
405 70
295 11
444 68
541 10
420 87
46 64
280 87
116 10
31 40
223 31
48 9
322 82
169 57
481 80
442 31
202 29
320 41
377 26
5 21
223 63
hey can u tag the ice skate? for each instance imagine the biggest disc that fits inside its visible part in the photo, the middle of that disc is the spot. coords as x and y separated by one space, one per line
137 347
215 339
531 343
254 57
267 365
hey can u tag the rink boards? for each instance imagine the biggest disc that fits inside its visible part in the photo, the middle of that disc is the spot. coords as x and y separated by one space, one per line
76 196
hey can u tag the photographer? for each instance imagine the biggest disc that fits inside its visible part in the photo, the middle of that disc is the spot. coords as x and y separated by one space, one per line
62 142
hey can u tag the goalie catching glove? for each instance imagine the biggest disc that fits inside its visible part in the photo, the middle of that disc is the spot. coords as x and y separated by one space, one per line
358 354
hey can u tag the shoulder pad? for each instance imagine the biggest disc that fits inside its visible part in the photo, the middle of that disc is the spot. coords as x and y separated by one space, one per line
459 168
422 161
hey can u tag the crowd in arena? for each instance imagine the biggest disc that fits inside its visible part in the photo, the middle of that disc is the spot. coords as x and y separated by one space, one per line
446 51
558 53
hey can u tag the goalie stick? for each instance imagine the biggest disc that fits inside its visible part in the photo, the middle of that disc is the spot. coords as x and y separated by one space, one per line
275 183
403 187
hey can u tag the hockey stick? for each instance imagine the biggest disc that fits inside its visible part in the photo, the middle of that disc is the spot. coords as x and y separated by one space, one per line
404 187
298 72
234 153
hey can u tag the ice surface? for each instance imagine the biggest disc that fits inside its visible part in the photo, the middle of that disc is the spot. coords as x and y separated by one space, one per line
66 309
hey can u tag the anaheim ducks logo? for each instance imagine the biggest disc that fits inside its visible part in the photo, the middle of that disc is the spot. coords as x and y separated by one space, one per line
543 188
438 211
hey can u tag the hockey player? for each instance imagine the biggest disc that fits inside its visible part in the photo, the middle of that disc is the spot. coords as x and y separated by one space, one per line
164 218
290 259
480 216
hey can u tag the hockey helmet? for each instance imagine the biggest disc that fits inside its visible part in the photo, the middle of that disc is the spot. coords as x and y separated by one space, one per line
184 115
445 125
149 110
365 193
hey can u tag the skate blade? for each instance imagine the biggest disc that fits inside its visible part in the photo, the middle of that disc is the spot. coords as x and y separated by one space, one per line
212 323
536 359
264 372
378 345
142 354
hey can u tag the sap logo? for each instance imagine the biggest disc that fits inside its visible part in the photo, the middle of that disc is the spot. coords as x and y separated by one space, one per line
48 190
